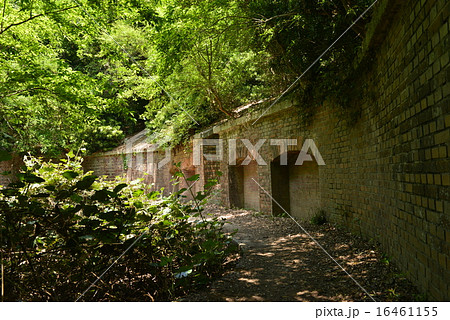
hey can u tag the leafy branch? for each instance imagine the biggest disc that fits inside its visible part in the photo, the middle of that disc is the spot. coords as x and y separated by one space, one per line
2 30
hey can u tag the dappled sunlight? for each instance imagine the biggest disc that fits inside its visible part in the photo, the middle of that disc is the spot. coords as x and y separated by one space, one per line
281 263
267 254
234 215
251 281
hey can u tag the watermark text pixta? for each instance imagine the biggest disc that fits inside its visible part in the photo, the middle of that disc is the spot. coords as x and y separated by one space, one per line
253 150
146 162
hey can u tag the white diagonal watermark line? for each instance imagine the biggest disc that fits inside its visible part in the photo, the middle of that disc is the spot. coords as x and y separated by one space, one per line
134 60
123 253
316 242
315 61
190 186
112 264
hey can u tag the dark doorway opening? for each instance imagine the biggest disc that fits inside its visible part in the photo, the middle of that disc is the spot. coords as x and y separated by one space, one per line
244 192
295 187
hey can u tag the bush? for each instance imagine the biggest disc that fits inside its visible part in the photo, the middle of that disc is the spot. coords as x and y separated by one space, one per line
60 229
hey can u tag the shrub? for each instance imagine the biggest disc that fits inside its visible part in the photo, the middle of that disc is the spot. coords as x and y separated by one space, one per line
60 229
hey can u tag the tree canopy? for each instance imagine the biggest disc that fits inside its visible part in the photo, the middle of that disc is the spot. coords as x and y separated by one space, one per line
79 73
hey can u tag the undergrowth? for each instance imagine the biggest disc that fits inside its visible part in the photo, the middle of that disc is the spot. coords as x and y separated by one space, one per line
61 229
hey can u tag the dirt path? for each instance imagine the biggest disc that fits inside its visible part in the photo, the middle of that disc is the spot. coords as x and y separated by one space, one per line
280 263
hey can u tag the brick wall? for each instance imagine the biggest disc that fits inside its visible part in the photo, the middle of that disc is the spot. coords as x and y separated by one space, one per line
105 165
387 174
304 192
143 164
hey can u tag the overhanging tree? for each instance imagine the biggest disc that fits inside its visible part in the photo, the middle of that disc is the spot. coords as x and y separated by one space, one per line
75 72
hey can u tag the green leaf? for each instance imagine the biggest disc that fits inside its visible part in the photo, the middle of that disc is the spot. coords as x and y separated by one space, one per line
108 216
200 196
101 195
86 182
200 257
16 185
69 175
50 188
40 195
165 261
71 210
63 194
106 237
119 187
10 192
76 197
153 195
29 177
90 223
138 204
185 268
209 244
210 183
89 210
195 177
138 192
178 174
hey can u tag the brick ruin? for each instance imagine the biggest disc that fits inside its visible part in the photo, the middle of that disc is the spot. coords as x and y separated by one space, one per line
387 172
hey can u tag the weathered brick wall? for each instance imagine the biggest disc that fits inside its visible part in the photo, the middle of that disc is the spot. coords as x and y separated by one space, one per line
398 154
285 124
143 164
304 190
105 165
387 175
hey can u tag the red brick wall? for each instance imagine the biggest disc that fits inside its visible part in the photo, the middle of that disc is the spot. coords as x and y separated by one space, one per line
138 165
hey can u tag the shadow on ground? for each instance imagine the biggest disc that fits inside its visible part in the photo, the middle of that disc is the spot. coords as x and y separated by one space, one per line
280 263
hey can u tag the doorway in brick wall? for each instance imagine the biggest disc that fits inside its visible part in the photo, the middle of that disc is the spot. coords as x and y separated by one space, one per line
244 192
295 187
